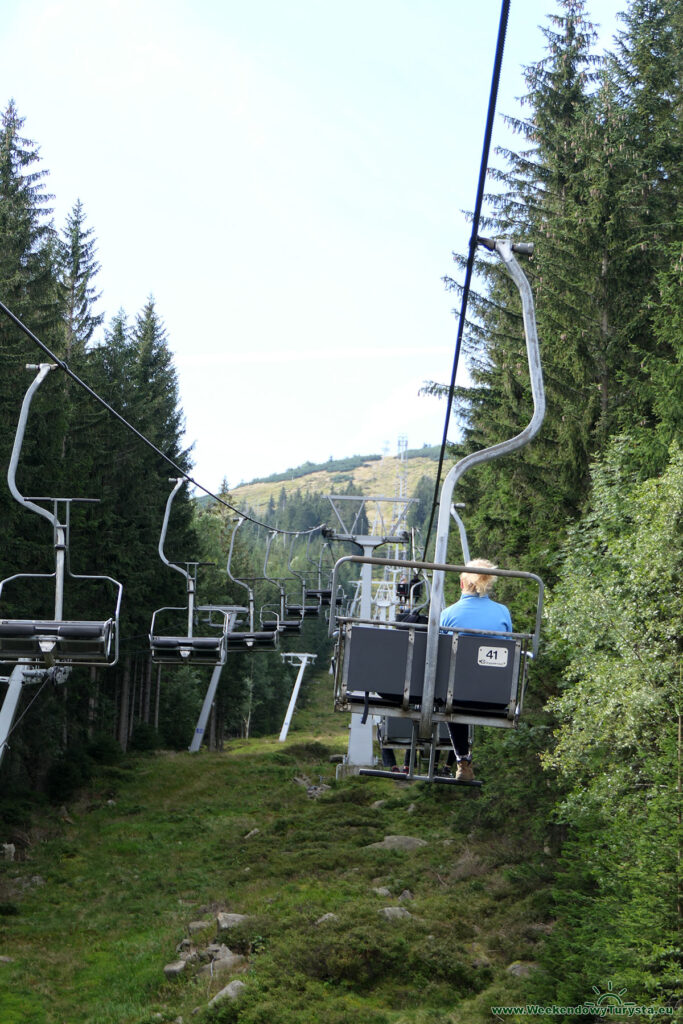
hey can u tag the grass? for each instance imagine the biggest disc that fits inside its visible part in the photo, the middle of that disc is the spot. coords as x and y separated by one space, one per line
160 842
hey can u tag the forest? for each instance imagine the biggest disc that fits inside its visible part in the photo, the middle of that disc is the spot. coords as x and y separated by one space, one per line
593 506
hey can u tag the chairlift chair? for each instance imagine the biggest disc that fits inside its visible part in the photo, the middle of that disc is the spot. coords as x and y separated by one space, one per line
56 641
278 618
305 610
419 672
187 648
250 639
323 591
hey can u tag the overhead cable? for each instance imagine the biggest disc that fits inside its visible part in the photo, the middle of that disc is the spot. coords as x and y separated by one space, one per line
483 170
129 426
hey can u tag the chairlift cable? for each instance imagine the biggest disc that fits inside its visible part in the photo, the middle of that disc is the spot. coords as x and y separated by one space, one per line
483 170
61 363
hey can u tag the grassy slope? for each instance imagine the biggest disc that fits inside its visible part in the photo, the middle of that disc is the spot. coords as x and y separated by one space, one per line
377 477
124 878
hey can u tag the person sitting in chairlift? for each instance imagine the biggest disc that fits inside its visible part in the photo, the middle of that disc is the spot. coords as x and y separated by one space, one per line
402 590
474 610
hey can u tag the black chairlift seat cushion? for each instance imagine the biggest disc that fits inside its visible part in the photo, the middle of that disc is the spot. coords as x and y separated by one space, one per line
195 643
324 596
283 625
307 610
26 628
287 625
181 650
253 641
87 642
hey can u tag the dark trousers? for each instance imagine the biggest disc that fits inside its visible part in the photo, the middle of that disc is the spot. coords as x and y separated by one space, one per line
459 738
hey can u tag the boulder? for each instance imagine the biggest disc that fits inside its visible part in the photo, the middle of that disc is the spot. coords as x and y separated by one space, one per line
174 969
226 921
225 965
521 969
231 991
398 843
327 919
395 913
198 926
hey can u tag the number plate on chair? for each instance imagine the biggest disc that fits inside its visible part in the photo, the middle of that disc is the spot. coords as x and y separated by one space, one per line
493 657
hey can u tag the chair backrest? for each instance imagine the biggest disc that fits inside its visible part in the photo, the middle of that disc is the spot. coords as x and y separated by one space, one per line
473 672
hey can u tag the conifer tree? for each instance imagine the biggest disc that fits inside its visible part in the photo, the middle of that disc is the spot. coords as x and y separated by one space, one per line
79 268
27 287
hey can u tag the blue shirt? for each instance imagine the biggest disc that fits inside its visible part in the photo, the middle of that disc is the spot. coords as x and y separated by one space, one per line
474 612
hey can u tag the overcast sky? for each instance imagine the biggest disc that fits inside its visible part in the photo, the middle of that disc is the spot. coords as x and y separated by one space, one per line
287 179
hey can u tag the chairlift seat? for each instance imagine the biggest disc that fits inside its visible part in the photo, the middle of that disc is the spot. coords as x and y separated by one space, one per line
253 641
283 625
383 669
307 611
65 642
398 732
183 650
324 596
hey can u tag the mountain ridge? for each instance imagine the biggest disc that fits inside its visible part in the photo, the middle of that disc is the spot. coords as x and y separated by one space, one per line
369 475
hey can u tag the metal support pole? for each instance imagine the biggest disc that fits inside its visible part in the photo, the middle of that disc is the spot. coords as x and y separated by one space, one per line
360 734
206 710
303 661
504 249
210 694
15 685
22 674
463 533
60 562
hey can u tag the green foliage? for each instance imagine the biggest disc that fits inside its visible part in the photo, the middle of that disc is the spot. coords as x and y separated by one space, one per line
179 711
617 617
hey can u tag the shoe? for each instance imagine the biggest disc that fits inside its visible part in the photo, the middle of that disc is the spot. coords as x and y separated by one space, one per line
464 772
444 772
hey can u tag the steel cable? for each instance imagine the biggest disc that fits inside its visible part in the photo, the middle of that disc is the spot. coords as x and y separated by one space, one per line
483 170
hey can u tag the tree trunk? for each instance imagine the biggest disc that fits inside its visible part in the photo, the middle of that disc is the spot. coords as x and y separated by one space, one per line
124 706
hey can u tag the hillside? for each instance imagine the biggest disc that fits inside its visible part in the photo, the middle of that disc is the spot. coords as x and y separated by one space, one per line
373 476
337 928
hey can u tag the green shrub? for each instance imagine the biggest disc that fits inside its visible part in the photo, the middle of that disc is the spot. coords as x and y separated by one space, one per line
68 772
104 749
145 737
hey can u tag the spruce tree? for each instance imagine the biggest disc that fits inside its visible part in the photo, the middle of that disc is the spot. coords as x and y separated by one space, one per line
79 269
28 289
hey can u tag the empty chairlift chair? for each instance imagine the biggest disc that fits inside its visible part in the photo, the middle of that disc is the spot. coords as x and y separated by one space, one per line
322 592
251 639
306 609
185 646
278 619
59 640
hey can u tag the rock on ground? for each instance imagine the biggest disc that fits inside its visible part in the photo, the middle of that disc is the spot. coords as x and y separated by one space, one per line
399 843
231 991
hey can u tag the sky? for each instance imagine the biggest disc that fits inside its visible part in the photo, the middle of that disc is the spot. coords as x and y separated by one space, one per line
288 181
